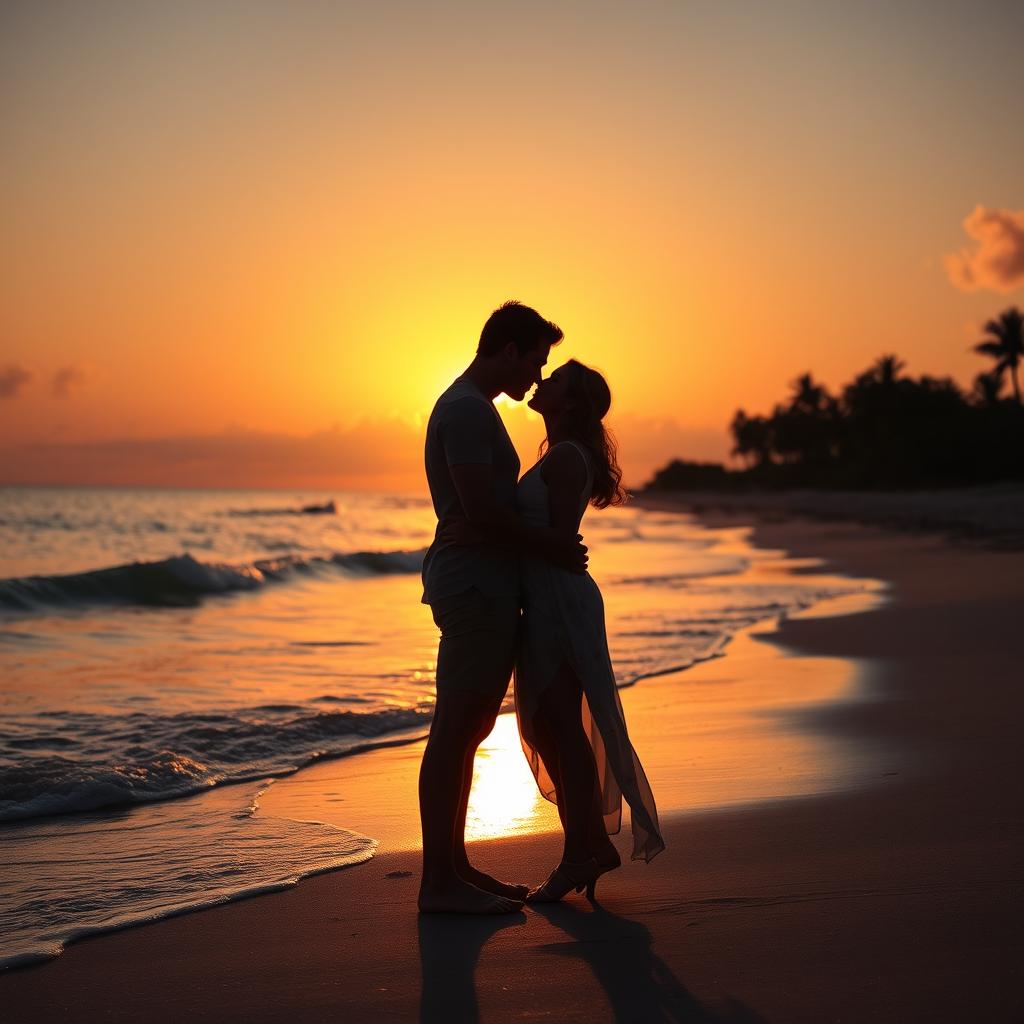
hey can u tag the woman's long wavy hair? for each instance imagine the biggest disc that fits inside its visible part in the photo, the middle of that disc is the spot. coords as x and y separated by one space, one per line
588 400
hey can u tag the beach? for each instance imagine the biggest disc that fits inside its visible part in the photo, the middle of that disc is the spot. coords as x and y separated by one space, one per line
895 896
178 665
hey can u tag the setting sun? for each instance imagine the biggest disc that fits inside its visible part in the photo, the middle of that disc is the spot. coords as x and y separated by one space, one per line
301 242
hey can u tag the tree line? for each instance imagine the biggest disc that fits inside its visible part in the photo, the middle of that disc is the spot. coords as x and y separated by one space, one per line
881 430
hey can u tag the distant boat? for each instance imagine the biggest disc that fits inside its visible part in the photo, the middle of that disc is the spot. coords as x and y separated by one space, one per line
327 509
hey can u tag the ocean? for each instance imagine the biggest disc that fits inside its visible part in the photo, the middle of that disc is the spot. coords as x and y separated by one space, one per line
166 654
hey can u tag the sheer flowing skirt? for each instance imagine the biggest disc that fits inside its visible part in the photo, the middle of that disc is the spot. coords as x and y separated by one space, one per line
563 622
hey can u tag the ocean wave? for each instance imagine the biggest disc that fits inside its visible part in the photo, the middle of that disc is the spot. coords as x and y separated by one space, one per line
185 580
94 875
140 758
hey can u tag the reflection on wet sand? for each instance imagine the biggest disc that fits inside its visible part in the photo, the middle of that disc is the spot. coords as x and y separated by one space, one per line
504 799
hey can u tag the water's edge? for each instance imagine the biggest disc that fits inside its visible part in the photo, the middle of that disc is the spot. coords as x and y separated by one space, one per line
871 593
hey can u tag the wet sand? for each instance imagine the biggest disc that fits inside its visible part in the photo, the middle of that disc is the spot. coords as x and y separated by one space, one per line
894 894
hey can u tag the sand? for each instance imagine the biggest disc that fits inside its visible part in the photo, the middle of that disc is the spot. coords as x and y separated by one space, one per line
991 514
893 894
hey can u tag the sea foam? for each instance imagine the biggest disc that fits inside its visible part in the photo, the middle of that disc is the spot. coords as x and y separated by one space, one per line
181 855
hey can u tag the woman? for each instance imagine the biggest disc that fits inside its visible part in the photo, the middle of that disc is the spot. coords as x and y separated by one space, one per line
570 718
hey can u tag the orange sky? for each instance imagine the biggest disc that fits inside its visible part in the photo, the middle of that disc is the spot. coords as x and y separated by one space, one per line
250 243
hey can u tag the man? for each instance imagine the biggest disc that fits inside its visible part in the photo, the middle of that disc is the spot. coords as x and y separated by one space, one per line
473 591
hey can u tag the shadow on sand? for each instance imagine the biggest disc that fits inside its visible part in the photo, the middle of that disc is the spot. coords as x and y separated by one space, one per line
640 987
450 947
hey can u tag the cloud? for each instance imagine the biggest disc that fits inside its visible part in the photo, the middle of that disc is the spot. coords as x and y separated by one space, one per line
12 379
997 263
65 380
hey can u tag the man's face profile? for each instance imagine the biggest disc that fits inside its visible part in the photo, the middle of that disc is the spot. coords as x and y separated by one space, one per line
526 371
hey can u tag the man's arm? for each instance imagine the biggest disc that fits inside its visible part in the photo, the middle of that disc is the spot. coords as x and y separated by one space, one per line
474 483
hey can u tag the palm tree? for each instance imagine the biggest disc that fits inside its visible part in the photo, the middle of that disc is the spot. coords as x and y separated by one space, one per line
752 438
986 389
1004 342
807 396
887 369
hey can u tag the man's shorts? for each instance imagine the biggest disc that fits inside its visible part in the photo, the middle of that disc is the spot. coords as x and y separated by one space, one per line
478 642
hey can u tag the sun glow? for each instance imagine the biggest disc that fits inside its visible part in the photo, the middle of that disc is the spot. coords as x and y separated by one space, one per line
504 799
285 240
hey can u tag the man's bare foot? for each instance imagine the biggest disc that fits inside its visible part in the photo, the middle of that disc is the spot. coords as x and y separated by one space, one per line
459 897
488 883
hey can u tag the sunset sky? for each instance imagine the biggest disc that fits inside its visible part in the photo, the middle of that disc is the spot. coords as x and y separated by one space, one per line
249 243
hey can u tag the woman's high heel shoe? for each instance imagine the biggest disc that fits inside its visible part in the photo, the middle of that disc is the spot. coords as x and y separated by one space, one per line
566 878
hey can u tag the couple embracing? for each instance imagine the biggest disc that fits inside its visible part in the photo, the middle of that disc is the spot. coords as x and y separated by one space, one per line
507 584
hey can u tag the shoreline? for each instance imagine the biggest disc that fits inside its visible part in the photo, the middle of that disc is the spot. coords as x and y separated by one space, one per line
897 902
991 516
323 794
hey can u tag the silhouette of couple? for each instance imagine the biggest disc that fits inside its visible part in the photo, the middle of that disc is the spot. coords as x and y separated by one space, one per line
507 584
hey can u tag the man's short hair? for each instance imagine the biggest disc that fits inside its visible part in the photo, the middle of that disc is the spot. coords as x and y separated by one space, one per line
519 325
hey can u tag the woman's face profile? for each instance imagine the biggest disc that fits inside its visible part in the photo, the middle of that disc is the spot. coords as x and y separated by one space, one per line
551 394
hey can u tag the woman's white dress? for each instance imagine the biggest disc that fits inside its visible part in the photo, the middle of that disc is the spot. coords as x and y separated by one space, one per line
563 621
